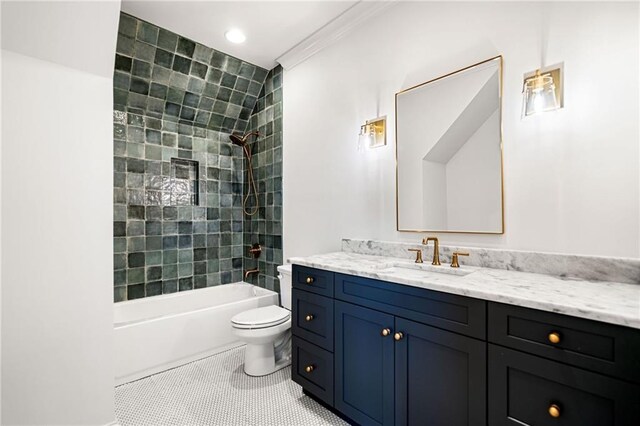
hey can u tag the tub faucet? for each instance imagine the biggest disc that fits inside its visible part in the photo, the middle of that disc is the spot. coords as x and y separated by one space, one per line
251 272
436 249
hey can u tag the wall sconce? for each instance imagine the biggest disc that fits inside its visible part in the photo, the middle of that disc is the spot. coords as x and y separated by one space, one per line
373 133
542 92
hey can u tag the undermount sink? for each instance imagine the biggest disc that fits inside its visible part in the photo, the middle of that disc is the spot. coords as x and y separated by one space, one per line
425 267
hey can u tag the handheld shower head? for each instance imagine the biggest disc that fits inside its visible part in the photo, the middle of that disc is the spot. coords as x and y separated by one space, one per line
241 141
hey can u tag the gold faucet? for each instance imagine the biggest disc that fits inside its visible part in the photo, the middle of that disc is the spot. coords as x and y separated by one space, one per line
436 249
418 255
251 272
454 258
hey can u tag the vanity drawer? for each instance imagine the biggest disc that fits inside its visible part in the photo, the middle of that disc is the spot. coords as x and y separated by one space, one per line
596 346
460 314
528 390
313 318
312 368
313 280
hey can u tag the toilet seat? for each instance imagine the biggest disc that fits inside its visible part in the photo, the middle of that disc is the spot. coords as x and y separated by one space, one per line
265 317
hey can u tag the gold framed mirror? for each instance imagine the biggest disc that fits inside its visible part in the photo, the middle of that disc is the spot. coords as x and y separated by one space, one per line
449 161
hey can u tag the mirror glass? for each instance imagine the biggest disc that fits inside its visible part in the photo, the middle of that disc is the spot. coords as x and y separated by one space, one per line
449 152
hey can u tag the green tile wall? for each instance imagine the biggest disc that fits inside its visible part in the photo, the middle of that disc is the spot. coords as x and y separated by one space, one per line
265 227
175 103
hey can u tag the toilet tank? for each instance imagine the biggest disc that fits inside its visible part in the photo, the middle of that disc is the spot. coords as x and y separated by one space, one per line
284 275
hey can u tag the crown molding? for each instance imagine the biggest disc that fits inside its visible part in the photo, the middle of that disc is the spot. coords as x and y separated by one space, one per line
332 32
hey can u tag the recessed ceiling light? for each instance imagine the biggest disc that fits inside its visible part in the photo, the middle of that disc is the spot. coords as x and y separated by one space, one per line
234 35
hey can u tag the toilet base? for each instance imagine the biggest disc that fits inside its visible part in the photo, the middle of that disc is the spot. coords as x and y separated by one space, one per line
264 352
260 360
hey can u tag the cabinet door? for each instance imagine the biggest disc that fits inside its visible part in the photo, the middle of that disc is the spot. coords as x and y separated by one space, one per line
440 377
528 390
364 364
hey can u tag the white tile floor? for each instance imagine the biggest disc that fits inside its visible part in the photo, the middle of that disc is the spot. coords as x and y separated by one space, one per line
215 391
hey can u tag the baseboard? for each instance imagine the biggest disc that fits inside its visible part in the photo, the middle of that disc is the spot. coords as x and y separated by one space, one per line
174 364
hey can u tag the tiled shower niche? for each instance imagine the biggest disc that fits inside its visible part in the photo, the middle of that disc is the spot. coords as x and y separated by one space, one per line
178 182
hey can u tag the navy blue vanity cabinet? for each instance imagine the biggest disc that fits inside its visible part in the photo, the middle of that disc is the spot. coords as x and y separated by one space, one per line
382 353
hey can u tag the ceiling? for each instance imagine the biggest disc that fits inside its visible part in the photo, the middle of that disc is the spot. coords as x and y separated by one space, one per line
271 27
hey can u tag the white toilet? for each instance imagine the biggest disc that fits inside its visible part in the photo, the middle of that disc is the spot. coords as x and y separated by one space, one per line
267 332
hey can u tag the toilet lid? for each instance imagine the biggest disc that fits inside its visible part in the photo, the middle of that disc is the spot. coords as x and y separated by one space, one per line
266 316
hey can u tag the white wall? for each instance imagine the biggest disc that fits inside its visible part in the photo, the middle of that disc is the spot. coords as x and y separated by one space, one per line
56 175
571 176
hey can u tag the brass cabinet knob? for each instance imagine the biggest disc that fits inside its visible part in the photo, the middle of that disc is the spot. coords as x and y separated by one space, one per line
554 337
554 411
309 368
309 280
308 317
385 332
398 336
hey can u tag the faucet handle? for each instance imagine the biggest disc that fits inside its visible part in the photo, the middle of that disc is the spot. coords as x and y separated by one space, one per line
454 258
418 255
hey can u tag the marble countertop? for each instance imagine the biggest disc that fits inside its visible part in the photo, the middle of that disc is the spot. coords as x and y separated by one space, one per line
614 303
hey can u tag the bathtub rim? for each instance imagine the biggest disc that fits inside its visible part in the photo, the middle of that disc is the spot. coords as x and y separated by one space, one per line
260 292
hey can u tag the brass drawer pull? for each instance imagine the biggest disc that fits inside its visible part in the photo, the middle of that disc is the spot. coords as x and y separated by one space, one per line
308 318
554 411
554 337
385 332
398 336
309 368
309 280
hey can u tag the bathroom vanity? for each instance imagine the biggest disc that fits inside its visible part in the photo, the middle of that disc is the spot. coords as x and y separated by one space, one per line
385 345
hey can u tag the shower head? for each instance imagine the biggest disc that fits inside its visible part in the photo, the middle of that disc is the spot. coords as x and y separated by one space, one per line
237 140
241 140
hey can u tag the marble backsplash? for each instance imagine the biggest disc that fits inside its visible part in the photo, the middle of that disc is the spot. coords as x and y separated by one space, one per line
593 268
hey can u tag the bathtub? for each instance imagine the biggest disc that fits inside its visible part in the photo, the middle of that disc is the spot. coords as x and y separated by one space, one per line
162 332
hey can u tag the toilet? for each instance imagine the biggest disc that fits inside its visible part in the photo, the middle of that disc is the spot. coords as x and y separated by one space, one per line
267 332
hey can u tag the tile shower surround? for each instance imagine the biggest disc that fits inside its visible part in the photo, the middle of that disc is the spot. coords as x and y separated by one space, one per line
177 99
265 227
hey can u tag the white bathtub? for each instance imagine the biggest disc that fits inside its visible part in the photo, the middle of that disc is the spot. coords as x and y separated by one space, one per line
162 332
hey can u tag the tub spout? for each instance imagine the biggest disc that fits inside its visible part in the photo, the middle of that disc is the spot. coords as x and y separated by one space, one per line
251 272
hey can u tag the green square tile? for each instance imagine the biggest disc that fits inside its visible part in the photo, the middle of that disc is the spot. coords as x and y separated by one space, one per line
119 245
124 45
135 275
246 70
143 51
169 257
233 65
147 32
160 75
185 269
120 293
167 40
203 53
170 271
153 152
120 96
127 25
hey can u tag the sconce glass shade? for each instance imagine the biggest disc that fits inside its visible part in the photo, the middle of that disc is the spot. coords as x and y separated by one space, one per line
365 137
373 134
539 94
